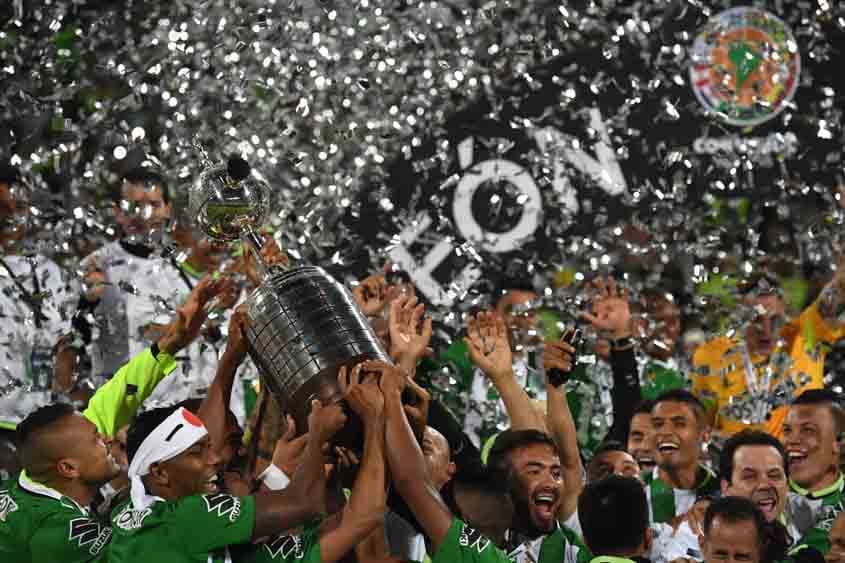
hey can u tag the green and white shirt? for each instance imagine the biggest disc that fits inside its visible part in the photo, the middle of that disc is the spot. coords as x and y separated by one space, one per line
38 523
287 548
813 513
665 502
194 529
561 546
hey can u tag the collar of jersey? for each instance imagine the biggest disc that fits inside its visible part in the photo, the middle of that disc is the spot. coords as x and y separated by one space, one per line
703 476
524 545
38 489
609 559
834 488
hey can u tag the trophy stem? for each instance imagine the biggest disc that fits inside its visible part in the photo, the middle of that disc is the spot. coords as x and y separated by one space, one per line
255 242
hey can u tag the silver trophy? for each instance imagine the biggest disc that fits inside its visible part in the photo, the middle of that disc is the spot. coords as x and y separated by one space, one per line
303 325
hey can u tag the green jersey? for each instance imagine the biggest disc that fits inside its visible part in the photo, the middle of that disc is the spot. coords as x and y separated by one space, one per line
38 523
463 544
813 513
194 529
288 548
466 545
665 502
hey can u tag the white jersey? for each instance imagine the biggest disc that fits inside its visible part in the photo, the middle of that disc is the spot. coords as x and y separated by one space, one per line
142 292
27 285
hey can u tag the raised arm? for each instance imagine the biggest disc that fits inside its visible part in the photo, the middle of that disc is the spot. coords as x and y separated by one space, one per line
562 427
490 350
115 403
368 501
304 498
216 404
410 333
611 317
407 464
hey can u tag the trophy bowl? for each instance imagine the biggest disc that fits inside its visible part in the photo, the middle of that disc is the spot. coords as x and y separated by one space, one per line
303 326
226 206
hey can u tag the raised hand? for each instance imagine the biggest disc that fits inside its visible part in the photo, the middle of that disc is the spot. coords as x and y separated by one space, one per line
558 355
289 449
409 338
489 347
236 344
272 256
611 309
325 421
361 391
373 293
190 317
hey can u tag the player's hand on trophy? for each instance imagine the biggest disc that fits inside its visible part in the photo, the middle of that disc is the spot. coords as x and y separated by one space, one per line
289 448
361 391
325 421
272 256
236 344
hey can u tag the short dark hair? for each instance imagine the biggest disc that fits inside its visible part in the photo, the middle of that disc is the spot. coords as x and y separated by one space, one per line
606 447
9 174
734 510
827 398
143 426
41 419
498 462
644 407
747 438
34 424
614 515
687 398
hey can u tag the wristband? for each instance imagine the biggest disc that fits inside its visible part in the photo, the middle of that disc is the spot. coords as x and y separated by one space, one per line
274 478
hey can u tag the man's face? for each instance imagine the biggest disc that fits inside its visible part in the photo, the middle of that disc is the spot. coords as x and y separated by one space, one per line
142 209
641 441
809 434
612 463
837 540
537 488
664 328
194 471
437 457
728 542
758 475
88 451
763 333
676 434
512 308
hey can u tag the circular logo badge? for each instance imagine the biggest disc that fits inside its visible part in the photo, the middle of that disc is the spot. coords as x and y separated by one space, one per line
745 66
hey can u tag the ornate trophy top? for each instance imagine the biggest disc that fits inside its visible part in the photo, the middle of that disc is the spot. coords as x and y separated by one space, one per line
230 200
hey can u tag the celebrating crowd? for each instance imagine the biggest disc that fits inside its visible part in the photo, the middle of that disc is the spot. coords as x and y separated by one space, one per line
133 430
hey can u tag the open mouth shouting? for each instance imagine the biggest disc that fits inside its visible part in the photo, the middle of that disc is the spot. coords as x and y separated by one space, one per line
797 459
544 505
646 462
767 501
667 447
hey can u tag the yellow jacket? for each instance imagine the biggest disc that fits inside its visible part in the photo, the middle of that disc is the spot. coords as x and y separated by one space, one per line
719 376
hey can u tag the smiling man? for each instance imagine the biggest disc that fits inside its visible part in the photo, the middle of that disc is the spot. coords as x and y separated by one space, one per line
810 432
641 437
753 466
680 427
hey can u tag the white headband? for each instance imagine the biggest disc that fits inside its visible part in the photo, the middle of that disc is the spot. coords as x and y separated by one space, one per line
177 433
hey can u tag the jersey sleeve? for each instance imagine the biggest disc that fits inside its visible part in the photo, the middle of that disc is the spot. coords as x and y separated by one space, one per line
287 548
115 403
224 520
463 544
61 537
